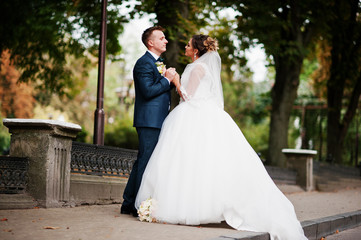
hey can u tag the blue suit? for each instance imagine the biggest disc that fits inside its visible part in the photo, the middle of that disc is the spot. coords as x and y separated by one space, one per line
152 101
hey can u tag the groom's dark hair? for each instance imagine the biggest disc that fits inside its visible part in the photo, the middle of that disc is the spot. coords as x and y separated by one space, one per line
147 32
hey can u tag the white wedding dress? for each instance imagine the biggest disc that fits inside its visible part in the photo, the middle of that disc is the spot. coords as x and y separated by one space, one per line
203 170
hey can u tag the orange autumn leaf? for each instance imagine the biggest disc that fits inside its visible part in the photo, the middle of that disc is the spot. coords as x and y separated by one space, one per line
337 231
7 230
4 219
48 227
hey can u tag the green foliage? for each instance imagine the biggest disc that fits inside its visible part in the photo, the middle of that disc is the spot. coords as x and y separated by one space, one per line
277 24
46 32
82 136
4 138
223 30
4 141
353 142
257 136
121 133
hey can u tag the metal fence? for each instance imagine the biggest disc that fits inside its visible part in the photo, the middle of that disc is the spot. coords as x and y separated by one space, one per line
13 174
101 160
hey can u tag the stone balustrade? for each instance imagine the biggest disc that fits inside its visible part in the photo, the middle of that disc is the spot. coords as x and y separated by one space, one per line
47 144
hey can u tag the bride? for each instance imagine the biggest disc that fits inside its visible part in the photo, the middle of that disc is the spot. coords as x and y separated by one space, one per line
203 170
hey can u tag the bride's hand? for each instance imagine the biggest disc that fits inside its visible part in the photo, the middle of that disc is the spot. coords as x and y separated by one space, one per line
170 74
176 81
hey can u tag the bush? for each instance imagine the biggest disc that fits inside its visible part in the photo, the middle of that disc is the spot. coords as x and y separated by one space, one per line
4 139
121 133
82 136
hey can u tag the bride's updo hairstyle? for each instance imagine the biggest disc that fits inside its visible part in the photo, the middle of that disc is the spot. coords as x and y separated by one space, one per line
204 43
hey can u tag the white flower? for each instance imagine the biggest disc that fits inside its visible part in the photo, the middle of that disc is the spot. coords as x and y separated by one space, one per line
160 67
145 211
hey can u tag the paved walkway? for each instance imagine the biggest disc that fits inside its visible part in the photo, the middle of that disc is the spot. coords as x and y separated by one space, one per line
104 221
349 234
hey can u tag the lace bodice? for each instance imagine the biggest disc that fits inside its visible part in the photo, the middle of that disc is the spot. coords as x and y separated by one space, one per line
201 80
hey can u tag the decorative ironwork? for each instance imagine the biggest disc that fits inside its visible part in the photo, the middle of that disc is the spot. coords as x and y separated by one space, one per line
13 174
101 160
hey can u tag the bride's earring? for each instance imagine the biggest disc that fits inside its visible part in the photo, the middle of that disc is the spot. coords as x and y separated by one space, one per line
195 56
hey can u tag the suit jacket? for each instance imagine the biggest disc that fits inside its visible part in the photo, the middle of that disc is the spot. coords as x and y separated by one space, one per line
152 93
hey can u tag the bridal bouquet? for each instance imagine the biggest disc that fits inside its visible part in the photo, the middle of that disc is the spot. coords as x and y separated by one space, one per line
145 211
160 67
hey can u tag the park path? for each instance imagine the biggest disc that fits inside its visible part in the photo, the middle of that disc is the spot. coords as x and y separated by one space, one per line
104 221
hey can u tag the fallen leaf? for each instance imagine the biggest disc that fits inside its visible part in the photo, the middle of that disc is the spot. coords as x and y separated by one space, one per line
48 227
337 231
7 230
67 227
34 221
4 219
35 207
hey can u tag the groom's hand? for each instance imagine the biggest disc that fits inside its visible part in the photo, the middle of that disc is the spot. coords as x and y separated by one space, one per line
170 74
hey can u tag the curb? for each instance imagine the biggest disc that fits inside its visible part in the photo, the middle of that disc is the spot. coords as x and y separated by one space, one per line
322 227
314 229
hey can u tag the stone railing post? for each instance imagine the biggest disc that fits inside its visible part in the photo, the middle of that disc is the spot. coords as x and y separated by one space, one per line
47 144
301 160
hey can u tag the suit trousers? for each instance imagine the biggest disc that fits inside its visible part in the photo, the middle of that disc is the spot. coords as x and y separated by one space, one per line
148 138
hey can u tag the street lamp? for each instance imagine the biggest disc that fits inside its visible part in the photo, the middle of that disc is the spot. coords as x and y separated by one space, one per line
98 137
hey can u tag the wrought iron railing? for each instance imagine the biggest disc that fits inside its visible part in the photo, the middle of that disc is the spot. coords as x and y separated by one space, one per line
13 174
101 160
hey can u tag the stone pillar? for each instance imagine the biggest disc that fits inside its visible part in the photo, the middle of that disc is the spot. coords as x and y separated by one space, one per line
47 144
301 160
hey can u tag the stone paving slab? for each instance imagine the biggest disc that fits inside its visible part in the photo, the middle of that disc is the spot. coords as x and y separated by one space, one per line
99 222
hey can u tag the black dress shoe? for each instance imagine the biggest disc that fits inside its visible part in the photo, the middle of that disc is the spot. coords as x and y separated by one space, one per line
135 213
124 211
129 210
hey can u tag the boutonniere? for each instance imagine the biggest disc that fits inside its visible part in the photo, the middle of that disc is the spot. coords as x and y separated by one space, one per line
160 66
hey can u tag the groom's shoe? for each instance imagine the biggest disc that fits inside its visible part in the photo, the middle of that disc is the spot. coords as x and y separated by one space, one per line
129 210
135 213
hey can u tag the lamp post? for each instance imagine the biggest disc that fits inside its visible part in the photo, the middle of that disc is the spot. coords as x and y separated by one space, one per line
98 137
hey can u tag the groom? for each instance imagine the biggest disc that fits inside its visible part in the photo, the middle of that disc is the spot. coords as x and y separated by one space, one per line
152 101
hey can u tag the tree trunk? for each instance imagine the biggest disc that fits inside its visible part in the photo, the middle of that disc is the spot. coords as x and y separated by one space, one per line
167 16
284 93
344 75
335 88
337 128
